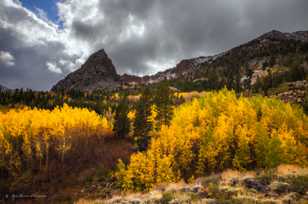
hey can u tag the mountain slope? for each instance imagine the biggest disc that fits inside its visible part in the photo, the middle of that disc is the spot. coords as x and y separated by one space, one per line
263 63
98 72
266 62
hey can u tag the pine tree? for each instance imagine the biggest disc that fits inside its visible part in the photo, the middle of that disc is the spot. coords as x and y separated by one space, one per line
142 124
163 100
122 123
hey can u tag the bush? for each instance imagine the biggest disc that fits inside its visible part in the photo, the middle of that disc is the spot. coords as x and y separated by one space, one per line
266 177
167 197
298 184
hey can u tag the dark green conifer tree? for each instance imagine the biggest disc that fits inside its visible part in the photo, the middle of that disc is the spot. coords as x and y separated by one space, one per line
163 99
122 123
142 123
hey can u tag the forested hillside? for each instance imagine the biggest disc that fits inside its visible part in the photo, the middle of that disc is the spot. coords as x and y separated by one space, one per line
244 109
137 144
217 132
154 102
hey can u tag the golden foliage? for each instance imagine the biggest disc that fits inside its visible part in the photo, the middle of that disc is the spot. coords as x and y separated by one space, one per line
29 136
220 131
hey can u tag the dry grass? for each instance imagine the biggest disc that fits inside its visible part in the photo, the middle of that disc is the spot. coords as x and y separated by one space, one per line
172 186
84 201
282 170
218 187
291 170
133 98
188 96
228 175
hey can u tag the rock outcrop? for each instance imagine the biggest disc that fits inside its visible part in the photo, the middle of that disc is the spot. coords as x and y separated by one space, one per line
294 92
98 72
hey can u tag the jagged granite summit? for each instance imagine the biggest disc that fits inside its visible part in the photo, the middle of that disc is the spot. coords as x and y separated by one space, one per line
98 72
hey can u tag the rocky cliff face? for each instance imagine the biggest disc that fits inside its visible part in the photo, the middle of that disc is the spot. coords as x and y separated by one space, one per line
98 72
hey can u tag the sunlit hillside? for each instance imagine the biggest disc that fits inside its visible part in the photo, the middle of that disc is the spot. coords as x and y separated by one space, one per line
217 132
157 139
44 148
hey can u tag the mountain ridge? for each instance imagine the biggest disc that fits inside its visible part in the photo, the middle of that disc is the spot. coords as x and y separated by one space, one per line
253 55
272 35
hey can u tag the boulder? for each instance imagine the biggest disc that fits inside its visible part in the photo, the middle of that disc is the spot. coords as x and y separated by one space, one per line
252 183
279 187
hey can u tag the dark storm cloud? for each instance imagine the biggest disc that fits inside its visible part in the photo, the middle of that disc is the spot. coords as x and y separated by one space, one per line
33 44
30 69
140 36
177 29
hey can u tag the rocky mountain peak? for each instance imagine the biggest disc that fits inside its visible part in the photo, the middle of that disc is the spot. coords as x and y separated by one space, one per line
275 35
280 36
98 72
100 64
100 54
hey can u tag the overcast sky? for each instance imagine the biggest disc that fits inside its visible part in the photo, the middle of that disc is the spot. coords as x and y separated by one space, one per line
43 40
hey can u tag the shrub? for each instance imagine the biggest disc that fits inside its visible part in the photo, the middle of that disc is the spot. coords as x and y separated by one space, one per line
167 197
298 184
